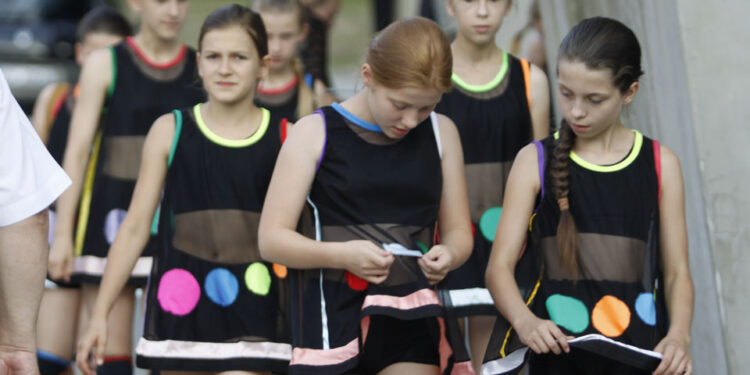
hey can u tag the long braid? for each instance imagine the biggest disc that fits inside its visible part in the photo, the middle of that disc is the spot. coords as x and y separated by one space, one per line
560 172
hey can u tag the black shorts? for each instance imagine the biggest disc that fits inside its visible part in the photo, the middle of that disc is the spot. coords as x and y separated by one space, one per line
390 340
579 362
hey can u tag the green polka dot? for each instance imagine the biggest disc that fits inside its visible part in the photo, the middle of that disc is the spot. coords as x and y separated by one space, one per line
258 279
568 312
422 247
488 222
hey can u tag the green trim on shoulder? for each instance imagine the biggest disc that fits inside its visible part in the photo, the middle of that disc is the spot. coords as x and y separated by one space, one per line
234 143
487 86
111 88
637 144
177 130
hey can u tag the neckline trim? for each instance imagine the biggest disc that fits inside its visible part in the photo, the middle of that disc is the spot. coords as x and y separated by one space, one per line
634 151
279 90
487 86
233 143
356 120
169 64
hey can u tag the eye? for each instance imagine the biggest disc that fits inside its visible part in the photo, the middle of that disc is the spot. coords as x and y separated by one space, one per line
596 100
212 56
399 106
565 93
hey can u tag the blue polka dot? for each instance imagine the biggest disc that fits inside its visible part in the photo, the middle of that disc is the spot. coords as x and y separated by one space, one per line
645 308
221 287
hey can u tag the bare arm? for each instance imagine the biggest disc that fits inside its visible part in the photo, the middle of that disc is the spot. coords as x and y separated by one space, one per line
39 113
453 218
278 240
131 237
521 190
94 81
539 103
678 284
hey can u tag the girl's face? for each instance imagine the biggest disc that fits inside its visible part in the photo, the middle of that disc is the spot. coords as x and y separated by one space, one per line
229 65
478 20
284 36
397 111
162 17
588 98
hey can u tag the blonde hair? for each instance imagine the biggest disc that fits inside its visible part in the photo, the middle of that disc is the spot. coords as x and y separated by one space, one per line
412 52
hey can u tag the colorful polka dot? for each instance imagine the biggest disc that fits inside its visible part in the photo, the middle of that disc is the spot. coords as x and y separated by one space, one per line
422 247
568 312
178 292
610 316
645 308
280 271
488 222
221 287
52 222
258 279
355 282
112 224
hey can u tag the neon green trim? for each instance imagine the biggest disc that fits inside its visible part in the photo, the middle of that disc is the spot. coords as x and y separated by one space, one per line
111 88
85 207
637 144
234 143
487 86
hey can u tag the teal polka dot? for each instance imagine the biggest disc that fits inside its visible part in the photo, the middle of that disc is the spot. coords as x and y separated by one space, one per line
568 312
488 222
645 308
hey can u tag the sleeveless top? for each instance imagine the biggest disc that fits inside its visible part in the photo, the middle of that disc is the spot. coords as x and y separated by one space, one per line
384 193
139 93
208 230
618 293
61 113
494 123
281 101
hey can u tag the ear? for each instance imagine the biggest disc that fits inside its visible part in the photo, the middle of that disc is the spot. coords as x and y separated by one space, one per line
198 63
366 73
135 5
78 51
630 94
265 67
449 8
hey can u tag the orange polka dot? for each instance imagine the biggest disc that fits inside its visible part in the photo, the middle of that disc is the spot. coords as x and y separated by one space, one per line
611 316
280 271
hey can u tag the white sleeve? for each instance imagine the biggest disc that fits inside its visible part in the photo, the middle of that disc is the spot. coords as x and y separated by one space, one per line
30 179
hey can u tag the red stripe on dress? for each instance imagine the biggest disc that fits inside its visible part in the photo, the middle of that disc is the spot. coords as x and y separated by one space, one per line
279 90
322 357
420 298
166 65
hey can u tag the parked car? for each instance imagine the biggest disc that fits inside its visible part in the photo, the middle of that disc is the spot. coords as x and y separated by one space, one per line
37 39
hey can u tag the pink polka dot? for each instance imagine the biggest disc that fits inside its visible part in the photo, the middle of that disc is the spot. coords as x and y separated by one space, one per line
179 292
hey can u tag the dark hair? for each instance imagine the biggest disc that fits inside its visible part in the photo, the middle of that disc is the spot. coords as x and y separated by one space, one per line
238 15
103 19
599 43
280 6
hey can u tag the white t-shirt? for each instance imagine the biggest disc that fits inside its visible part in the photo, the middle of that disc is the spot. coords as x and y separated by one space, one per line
30 179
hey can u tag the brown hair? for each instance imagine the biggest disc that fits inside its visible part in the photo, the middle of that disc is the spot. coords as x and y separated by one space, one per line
599 43
305 97
238 15
103 19
412 52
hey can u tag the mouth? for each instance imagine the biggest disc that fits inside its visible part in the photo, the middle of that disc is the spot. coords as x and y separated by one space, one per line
225 84
400 132
482 29
579 128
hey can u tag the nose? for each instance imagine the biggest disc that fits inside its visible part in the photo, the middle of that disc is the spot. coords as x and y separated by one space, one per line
224 66
482 9
577 110
273 45
410 119
173 8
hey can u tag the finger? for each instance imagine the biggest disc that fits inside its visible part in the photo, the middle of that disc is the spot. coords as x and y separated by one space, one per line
666 360
689 367
549 340
539 342
560 338
100 352
677 363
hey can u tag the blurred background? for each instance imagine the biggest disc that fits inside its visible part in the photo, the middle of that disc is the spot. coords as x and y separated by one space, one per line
692 98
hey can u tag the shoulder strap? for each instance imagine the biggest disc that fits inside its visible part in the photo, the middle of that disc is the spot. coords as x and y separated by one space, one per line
657 164
177 131
527 80
282 129
56 101
436 132
541 161
111 88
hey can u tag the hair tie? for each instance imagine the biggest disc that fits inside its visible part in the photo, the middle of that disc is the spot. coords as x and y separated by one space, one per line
563 204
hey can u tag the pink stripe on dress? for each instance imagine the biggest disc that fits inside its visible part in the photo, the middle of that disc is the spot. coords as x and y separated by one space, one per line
420 298
322 357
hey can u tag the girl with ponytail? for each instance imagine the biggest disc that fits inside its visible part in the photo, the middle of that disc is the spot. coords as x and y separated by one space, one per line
603 209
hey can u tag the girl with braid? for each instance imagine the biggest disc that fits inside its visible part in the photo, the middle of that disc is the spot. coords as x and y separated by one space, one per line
608 230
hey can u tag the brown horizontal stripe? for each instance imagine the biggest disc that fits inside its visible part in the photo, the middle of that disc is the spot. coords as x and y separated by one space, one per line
600 257
485 185
404 270
122 158
222 236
